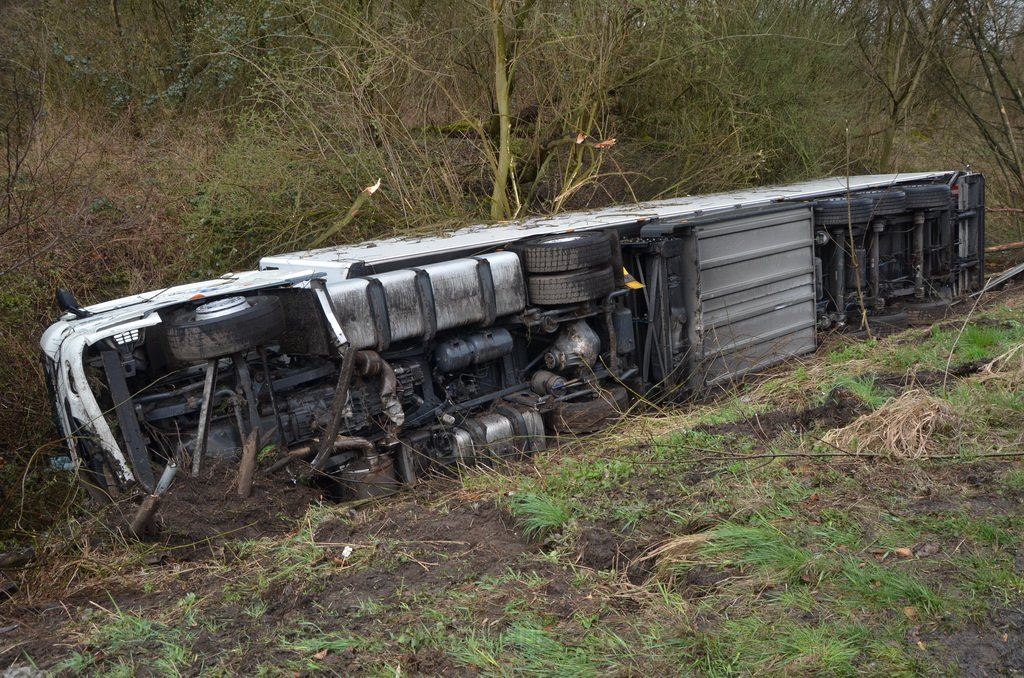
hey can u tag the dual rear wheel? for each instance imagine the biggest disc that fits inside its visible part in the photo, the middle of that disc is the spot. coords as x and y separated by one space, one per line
567 268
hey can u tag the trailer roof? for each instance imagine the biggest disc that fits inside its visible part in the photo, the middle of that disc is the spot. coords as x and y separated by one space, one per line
382 254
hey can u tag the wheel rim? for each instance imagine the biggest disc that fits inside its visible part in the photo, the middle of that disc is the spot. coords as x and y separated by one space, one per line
219 308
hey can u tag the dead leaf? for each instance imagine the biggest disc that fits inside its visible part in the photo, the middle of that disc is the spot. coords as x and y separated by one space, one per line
920 645
607 143
910 612
904 552
321 655
372 189
1006 637
580 138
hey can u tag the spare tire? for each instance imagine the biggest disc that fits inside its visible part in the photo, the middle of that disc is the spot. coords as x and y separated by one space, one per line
570 288
224 326
562 252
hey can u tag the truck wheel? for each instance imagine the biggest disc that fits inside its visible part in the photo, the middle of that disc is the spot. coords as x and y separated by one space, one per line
224 326
886 203
564 252
840 211
885 325
927 196
570 288
591 415
928 312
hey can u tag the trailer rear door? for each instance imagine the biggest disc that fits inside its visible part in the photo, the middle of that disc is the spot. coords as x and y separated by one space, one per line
757 290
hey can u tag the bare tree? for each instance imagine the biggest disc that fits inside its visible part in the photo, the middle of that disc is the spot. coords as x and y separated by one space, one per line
985 78
898 43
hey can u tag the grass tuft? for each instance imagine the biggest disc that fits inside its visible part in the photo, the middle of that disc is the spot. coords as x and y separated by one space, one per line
763 549
888 588
540 515
865 388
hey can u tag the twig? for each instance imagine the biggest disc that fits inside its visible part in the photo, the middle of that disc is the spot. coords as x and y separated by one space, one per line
418 562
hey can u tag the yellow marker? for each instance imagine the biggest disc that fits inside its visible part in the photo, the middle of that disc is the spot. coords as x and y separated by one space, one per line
631 282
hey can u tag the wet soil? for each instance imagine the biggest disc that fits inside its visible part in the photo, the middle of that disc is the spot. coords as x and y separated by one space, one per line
840 409
994 647
207 509
928 378
426 548
607 546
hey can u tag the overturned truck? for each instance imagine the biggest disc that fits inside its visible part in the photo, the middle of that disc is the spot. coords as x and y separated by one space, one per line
367 365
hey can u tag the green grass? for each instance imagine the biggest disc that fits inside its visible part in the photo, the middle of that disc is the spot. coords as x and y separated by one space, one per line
885 588
865 388
1014 479
944 345
980 343
755 645
540 515
317 641
858 350
530 646
688 443
133 641
991 531
762 548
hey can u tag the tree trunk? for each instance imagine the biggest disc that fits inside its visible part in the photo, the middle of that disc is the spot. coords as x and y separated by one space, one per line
502 170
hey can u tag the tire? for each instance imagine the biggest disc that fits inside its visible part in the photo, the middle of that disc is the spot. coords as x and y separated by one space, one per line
927 312
886 203
192 338
885 325
928 197
563 252
840 211
591 415
570 288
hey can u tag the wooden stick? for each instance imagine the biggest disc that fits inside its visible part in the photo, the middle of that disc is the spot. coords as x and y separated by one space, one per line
337 408
246 468
293 455
142 524
1006 246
